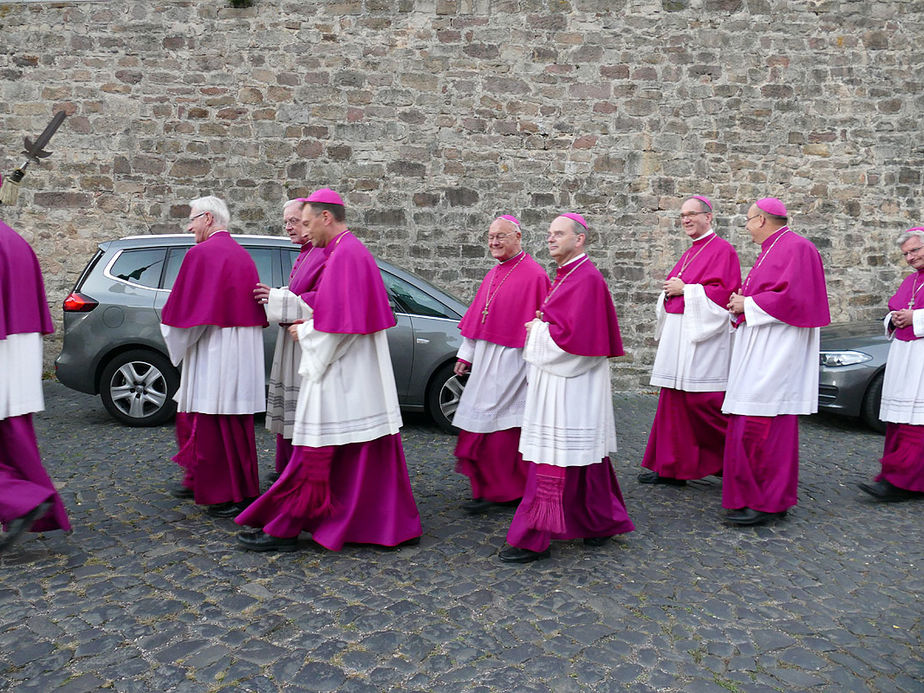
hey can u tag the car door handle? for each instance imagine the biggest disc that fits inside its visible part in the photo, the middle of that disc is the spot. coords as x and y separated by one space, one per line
421 340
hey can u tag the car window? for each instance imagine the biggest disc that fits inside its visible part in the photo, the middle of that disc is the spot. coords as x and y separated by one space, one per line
288 262
142 266
414 300
263 259
174 260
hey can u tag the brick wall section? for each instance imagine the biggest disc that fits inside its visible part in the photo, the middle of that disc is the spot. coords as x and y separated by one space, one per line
433 116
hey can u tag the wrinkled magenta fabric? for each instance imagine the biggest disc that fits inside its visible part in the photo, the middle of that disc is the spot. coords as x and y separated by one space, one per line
24 308
571 299
687 439
913 282
351 297
515 287
903 456
761 463
493 464
712 262
24 483
306 273
370 492
203 293
283 452
219 455
788 281
592 503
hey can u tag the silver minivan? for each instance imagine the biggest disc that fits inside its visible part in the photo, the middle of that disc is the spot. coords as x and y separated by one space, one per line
113 345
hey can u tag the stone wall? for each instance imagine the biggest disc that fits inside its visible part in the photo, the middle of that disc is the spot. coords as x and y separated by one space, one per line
433 116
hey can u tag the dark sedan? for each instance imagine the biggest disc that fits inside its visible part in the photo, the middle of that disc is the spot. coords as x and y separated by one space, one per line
852 366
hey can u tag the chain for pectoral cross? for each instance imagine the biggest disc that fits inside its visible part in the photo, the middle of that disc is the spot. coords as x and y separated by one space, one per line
914 292
491 296
541 313
687 263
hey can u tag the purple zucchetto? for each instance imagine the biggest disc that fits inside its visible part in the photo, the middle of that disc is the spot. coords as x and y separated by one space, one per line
773 206
703 199
324 196
509 217
574 216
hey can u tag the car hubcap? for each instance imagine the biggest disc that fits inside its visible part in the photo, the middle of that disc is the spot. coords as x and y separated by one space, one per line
138 389
449 396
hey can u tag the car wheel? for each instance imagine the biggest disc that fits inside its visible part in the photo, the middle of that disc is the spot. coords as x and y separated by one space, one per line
871 401
443 397
137 388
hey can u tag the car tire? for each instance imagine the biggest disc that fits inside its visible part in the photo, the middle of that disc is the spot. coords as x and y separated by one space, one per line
871 401
137 388
443 397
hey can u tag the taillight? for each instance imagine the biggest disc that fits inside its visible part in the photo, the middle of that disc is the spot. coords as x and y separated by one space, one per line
78 303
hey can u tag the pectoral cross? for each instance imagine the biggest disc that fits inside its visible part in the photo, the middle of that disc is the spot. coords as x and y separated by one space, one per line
484 315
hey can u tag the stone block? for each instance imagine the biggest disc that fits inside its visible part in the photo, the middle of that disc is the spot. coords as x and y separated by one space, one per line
460 196
58 200
190 168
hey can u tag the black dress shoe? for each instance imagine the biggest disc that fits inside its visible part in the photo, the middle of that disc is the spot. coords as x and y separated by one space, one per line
15 528
476 506
516 555
231 509
413 541
595 541
180 491
261 541
748 516
888 493
651 477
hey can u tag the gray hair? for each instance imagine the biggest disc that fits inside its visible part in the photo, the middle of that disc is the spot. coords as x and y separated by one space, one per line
221 217
908 235
300 201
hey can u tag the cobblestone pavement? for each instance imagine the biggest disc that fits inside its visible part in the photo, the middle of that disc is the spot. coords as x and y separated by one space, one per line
150 594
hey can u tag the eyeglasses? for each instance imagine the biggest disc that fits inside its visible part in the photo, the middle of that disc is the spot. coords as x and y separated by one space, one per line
201 214
913 251
292 222
499 237
689 215
747 219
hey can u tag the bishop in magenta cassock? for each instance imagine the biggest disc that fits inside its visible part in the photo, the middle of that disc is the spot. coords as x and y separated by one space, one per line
491 407
687 438
568 427
213 328
901 476
773 376
28 499
347 480
285 306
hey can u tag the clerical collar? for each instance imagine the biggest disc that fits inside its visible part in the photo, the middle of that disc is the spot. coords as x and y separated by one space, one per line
774 237
708 233
573 260
512 257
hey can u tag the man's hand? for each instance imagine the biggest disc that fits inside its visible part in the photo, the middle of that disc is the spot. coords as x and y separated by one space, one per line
293 329
261 293
461 368
736 304
674 287
903 318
